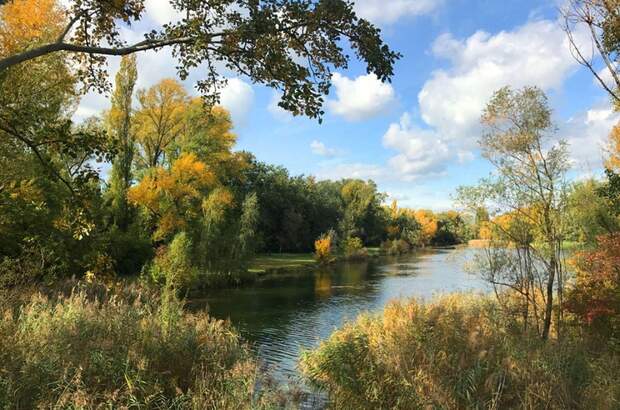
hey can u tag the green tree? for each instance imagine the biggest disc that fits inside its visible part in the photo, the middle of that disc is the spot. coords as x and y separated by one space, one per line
589 214
119 121
529 190
362 209
293 46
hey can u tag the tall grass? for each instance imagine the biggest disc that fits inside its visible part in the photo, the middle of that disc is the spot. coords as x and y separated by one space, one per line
459 352
82 351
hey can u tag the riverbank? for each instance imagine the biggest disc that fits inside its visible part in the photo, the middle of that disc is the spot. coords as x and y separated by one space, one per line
273 262
460 352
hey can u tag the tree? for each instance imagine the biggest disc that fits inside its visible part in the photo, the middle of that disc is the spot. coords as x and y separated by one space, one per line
292 46
43 92
362 209
428 225
49 192
160 121
174 197
120 128
529 188
589 214
601 18
613 158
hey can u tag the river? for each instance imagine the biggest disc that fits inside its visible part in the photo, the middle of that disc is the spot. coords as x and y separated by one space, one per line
287 312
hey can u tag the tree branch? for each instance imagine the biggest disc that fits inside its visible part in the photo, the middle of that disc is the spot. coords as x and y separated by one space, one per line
144 45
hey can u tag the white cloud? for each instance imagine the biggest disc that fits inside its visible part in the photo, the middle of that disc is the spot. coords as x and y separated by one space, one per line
587 136
362 98
161 11
382 12
421 152
352 170
452 100
536 53
321 149
237 97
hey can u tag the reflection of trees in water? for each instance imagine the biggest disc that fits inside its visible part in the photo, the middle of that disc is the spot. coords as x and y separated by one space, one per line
283 314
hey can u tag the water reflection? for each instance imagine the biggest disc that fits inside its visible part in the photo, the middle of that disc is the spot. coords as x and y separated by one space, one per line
284 314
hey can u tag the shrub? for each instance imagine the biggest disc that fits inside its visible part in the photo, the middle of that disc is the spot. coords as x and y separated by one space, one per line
395 247
324 248
78 352
595 298
353 248
173 264
456 353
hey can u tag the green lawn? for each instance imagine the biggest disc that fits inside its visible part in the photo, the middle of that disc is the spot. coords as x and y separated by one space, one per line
265 262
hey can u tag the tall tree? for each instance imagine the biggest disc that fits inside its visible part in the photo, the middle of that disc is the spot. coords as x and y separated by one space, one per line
529 188
119 121
289 45
160 121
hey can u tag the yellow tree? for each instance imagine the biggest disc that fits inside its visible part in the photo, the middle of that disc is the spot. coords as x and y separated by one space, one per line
428 222
174 197
159 120
26 23
613 160
208 134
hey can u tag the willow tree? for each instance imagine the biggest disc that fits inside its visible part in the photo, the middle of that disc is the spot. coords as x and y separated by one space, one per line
526 198
289 45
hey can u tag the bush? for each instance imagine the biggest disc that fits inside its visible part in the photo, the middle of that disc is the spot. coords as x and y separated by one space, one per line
77 352
457 353
595 296
353 248
324 248
173 264
395 247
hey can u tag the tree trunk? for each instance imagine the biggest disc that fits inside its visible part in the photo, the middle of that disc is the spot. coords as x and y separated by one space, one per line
549 305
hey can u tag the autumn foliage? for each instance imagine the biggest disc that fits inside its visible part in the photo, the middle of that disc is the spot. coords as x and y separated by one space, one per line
323 249
596 295
27 22
173 196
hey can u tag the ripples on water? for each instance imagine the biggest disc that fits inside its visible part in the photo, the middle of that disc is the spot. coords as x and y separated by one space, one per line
283 315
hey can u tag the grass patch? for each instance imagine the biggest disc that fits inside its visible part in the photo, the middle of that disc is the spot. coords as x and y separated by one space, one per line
274 261
459 352
100 350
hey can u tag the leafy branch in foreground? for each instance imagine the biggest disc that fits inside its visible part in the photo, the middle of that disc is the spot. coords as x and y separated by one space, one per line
291 46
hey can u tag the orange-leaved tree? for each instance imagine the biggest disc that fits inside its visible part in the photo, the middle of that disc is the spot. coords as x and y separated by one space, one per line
173 197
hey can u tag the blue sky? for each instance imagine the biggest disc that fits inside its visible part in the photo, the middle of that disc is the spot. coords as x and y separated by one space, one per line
416 137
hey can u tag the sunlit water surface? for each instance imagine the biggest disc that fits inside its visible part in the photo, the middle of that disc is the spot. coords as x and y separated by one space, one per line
285 314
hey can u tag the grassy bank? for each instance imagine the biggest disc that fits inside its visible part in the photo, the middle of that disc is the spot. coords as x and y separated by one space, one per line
274 261
102 349
458 352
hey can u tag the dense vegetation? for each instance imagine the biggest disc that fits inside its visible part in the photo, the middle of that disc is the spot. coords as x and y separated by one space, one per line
460 352
95 349
177 197
92 266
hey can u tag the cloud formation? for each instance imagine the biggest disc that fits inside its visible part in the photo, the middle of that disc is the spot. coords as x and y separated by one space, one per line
361 98
586 136
421 152
452 100
237 97
319 148
378 12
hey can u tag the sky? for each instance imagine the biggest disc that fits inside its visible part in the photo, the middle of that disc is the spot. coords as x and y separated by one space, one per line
416 137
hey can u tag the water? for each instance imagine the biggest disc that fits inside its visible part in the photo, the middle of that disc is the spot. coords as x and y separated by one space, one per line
287 313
